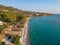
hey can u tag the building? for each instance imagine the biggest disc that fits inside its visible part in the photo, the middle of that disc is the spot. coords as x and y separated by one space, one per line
1 23
37 14
12 29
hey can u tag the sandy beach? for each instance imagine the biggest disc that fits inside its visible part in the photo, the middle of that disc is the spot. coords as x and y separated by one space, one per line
24 38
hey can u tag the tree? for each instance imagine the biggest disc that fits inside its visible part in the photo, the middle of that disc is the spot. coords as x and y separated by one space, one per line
19 18
1 28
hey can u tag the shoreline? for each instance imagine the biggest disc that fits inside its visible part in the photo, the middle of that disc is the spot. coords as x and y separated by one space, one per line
24 38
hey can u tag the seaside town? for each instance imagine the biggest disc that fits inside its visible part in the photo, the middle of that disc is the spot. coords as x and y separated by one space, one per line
14 25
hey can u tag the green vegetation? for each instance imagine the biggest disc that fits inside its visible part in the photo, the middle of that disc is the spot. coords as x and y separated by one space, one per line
12 15
0 43
9 14
1 28
16 39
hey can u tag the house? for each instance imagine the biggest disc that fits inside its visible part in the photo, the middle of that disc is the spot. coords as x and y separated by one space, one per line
1 36
5 10
13 30
37 14
1 23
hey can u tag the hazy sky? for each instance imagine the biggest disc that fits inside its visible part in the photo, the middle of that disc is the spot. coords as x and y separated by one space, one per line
51 6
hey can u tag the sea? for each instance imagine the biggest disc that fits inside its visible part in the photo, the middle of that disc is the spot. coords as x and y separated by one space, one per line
44 30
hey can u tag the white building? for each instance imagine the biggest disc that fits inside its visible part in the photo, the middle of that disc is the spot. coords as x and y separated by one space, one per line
1 23
37 14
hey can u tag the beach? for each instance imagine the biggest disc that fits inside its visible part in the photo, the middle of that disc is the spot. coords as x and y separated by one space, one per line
24 38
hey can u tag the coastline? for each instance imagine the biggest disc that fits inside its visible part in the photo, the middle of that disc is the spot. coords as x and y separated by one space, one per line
24 38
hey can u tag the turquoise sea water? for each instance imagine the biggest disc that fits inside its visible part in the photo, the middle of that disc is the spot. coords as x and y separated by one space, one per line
44 30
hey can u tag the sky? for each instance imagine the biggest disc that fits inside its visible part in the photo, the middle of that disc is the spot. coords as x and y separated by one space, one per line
46 6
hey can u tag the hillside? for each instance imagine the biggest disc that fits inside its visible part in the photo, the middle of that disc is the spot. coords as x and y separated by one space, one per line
8 13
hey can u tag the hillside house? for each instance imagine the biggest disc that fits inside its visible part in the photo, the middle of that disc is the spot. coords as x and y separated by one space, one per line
1 23
12 29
